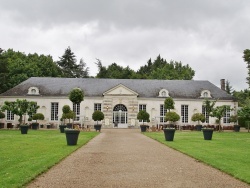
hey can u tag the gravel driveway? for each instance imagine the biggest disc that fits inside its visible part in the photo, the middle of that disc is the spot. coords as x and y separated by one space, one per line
126 158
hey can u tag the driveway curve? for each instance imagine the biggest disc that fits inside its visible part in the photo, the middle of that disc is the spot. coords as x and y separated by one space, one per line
126 158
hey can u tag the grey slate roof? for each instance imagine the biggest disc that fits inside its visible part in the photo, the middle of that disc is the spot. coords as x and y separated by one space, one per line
96 87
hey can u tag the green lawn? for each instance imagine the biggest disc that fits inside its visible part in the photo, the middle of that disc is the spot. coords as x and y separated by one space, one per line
23 157
227 151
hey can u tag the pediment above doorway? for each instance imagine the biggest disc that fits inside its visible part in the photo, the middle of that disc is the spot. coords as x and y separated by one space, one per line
120 90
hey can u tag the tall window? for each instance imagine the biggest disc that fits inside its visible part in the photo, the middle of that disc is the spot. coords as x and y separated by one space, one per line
184 113
98 106
54 111
162 113
227 115
206 115
10 115
76 109
142 107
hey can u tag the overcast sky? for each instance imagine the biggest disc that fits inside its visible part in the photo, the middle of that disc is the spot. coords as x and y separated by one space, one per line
209 35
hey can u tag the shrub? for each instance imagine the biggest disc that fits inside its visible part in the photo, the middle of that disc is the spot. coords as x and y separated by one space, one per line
172 116
143 116
198 117
97 115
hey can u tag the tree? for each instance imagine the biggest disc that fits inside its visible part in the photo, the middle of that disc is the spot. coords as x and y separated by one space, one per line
219 112
209 106
32 108
143 116
70 68
198 117
97 116
18 107
243 97
161 69
169 104
246 58
67 113
2 115
229 88
38 116
76 95
244 113
172 116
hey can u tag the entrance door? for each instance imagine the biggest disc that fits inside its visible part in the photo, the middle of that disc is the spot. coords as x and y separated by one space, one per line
120 116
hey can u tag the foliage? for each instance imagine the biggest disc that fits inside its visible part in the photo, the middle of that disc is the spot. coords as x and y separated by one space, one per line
38 116
16 67
209 106
18 107
244 113
219 112
243 97
114 71
143 116
198 117
70 68
76 95
233 118
97 115
172 116
2 115
161 69
169 103
246 58
47 148
217 154
66 109
32 108
229 88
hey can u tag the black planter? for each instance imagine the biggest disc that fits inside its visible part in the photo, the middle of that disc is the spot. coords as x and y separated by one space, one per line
236 128
35 126
144 128
71 136
24 129
169 134
69 125
198 127
208 133
98 127
62 127
1 125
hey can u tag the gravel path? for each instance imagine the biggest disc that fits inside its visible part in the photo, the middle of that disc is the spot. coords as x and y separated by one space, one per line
126 158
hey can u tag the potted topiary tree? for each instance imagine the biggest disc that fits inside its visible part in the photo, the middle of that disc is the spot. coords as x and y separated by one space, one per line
168 105
97 116
144 117
2 115
170 131
19 108
198 117
234 119
37 116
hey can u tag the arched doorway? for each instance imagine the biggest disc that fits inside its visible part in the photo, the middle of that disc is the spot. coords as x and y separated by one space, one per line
120 116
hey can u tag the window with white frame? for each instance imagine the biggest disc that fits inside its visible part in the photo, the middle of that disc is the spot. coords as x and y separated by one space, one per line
10 115
227 115
142 107
162 113
98 106
54 111
184 113
76 109
206 115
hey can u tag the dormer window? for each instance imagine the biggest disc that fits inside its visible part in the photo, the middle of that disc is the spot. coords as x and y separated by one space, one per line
205 94
163 93
33 91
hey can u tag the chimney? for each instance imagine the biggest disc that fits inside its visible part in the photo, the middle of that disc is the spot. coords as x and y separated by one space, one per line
222 84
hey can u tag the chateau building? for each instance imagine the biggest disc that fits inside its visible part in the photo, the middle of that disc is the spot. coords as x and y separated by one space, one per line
119 99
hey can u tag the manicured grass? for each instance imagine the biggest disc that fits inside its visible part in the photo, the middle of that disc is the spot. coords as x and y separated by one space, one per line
23 157
227 151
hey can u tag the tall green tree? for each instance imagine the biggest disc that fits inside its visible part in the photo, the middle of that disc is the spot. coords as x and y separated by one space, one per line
229 88
68 63
246 57
3 72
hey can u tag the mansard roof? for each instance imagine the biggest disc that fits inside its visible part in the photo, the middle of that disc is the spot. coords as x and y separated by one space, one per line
94 87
